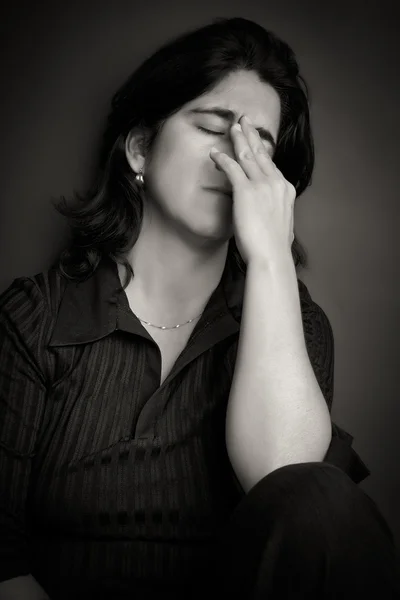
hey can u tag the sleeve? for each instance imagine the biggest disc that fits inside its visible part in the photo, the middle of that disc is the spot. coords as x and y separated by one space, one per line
320 346
22 399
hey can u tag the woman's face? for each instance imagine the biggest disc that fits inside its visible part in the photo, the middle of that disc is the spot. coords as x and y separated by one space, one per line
181 171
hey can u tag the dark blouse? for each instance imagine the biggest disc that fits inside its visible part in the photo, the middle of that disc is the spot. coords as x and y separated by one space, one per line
110 482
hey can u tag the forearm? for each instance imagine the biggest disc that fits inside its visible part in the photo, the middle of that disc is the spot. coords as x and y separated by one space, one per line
276 413
24 587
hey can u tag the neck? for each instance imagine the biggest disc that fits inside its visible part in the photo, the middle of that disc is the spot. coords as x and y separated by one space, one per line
173 279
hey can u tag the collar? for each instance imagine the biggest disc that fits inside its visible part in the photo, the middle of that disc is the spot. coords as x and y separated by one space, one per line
92 309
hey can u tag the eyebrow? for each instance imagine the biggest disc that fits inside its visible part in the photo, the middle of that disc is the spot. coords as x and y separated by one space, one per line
229 115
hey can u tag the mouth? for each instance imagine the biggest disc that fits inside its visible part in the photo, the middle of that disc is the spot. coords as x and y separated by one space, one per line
220 191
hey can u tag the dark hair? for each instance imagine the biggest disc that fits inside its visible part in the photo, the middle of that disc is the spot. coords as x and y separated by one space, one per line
107 219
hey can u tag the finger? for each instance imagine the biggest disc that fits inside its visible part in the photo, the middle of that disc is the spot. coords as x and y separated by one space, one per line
244 153
260 152
231 168
267 165
277 170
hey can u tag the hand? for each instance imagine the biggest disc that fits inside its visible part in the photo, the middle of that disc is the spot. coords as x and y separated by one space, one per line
263 200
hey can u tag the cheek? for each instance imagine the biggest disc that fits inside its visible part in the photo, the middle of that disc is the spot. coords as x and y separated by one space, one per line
175 150
184 158
179 162
169 173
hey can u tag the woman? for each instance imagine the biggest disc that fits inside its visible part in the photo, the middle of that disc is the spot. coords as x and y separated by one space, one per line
167 384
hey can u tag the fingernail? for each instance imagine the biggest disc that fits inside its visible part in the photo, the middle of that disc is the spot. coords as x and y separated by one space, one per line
213 149
246 118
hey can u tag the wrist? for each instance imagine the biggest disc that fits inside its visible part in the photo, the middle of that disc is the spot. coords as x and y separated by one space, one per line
272 263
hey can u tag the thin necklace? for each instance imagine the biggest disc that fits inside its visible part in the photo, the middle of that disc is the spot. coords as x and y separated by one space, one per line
174 327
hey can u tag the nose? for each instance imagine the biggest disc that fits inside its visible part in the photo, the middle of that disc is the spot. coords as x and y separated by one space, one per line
225 146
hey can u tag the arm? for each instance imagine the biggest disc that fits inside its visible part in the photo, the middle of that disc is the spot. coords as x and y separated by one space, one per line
22 400
276 413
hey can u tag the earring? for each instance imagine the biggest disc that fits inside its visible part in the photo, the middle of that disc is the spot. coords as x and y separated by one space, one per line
139 177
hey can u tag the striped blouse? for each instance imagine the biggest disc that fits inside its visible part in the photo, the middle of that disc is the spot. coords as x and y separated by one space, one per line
110 483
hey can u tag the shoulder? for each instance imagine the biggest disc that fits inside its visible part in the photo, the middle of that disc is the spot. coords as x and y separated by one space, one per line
28 309
319 339
310 309
315 320
32 292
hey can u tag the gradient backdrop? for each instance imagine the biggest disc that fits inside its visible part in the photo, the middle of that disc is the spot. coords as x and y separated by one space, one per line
61 61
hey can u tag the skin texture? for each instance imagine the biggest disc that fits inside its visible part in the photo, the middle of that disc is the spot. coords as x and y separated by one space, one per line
263 200
180 254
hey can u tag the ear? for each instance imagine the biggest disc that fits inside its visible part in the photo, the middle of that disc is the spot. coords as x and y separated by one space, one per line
134 151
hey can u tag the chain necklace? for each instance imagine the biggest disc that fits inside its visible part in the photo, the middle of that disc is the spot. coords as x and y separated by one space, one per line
174 327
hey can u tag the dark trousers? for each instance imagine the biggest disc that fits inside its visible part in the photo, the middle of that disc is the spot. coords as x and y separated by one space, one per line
307 531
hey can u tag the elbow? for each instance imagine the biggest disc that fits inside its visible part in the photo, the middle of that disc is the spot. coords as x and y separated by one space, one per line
252 462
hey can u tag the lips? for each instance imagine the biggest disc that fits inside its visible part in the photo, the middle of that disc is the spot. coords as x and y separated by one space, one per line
221 190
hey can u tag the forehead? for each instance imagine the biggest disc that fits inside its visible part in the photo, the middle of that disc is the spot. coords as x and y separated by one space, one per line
243 93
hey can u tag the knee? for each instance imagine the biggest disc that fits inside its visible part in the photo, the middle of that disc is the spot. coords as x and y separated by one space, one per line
289 490
311 496
299 486
304 518
325 491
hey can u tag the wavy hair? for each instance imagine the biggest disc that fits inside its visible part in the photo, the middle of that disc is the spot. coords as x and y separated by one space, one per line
106 220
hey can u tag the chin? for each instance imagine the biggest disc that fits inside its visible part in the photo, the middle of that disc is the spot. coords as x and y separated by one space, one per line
217 231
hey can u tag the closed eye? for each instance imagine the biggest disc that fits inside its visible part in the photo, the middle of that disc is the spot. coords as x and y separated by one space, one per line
210 131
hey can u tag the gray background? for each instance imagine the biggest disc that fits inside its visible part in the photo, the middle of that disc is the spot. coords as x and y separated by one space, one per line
62 61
